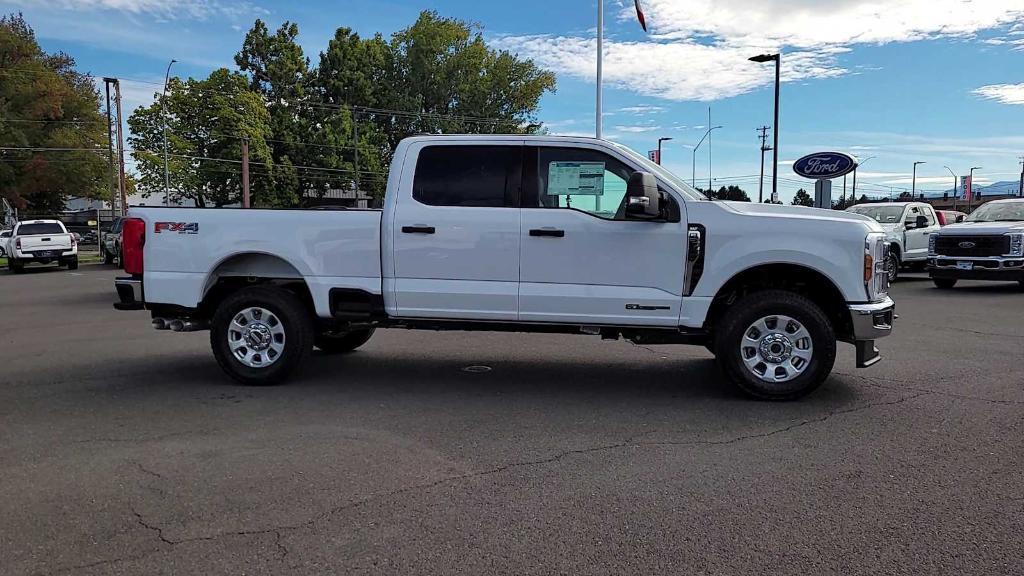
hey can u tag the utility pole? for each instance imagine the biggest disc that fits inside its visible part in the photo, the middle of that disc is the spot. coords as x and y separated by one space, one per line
245 173
709 149
110 154
764 148
163 117
355 133
600 67
120 149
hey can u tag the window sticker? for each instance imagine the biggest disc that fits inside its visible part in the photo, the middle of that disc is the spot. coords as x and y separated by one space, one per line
575 178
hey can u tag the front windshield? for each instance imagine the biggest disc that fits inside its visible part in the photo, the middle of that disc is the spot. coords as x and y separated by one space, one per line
998 212
661 172
881 213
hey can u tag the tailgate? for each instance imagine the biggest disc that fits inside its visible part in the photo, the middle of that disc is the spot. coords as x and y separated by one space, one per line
39 242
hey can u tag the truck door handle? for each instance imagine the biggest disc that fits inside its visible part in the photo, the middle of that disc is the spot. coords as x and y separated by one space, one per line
417 229
549 232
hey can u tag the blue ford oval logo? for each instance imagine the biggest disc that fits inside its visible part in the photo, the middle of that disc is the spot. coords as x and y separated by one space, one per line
825 165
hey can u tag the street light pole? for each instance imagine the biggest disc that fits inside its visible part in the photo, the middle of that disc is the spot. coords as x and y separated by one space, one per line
600 72
163 114
913 185
777 58
693 175
660 140
953 174
970 199
859 164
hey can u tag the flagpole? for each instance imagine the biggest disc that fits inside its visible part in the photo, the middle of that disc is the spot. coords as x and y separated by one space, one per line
600 57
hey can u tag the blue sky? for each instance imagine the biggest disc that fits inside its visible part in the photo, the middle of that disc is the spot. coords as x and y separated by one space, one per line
940 81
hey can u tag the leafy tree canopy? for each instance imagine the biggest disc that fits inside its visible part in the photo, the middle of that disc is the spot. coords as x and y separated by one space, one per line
45 103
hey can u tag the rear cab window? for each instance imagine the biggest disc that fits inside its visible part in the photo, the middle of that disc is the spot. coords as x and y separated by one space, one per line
39 228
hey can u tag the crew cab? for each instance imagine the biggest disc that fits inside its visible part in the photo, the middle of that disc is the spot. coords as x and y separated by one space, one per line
907 226
987 245
523 234
41 241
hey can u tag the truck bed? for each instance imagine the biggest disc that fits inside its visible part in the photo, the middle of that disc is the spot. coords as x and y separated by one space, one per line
187 249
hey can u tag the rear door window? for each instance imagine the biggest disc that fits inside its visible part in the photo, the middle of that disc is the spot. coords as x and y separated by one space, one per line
468 176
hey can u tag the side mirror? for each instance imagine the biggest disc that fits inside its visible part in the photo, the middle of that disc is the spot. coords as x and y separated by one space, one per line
922 222
642 197
960 219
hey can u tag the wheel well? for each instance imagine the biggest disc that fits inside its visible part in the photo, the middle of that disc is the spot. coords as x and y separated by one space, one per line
793 277
895 247
252 269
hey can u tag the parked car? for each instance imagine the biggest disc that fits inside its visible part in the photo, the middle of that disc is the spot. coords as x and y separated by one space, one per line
988 245
110 246
41 241
89 238
5 236
525 234
947 217
907 226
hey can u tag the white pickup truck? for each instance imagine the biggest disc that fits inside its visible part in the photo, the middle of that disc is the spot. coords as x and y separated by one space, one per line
523 234
907 227
41 241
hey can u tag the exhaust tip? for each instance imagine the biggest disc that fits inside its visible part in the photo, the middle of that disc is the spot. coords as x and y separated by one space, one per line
176 325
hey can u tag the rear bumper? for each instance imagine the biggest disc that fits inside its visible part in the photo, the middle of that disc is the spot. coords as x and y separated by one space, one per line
39 257
870 322
129 293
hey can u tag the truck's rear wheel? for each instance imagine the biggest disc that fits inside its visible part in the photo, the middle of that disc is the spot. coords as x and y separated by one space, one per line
260 335
14 266
775 345
339 343
108 258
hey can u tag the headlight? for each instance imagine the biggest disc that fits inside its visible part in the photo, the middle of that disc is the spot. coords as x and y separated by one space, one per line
876 281
932 239
1016 245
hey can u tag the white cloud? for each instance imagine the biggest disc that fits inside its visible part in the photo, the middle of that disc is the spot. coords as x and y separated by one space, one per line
164 9
1005 93
699 48
637 129
641 110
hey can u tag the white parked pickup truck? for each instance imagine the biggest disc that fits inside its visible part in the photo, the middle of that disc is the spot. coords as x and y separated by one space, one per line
907 227
524 234
988 245
42 241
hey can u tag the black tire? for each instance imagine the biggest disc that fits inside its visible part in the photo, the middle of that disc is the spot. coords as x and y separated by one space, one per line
892 266
944 283
15 267
298 334
738 318
108 258
73 264
330 343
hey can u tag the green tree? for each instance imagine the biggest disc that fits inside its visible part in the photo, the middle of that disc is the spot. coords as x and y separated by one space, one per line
206 123
802 198
46 103
734 193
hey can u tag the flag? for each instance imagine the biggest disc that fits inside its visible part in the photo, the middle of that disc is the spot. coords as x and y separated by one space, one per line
640 15
967 188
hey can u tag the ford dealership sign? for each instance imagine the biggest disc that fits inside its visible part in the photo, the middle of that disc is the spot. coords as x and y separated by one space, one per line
825 165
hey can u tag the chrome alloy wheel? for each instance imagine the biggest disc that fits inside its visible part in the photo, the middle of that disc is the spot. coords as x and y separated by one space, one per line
776 348
256 337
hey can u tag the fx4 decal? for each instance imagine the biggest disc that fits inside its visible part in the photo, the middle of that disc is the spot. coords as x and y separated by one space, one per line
177 227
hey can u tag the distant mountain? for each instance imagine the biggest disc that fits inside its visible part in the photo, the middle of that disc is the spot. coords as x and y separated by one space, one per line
995 189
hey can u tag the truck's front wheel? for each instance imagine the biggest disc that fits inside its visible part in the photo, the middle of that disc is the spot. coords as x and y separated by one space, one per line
775 345
260 335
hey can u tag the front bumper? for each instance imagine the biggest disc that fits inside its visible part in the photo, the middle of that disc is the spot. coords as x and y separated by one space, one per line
129 293
870 322
998 268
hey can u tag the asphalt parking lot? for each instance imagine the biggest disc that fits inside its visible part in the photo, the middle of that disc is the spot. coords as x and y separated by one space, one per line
125 451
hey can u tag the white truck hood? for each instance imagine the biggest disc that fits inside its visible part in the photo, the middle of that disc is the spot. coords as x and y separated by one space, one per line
983 228
800 212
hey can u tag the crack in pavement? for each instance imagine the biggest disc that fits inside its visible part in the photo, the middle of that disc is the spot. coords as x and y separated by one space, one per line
143 439
632 441
145 470
909 385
